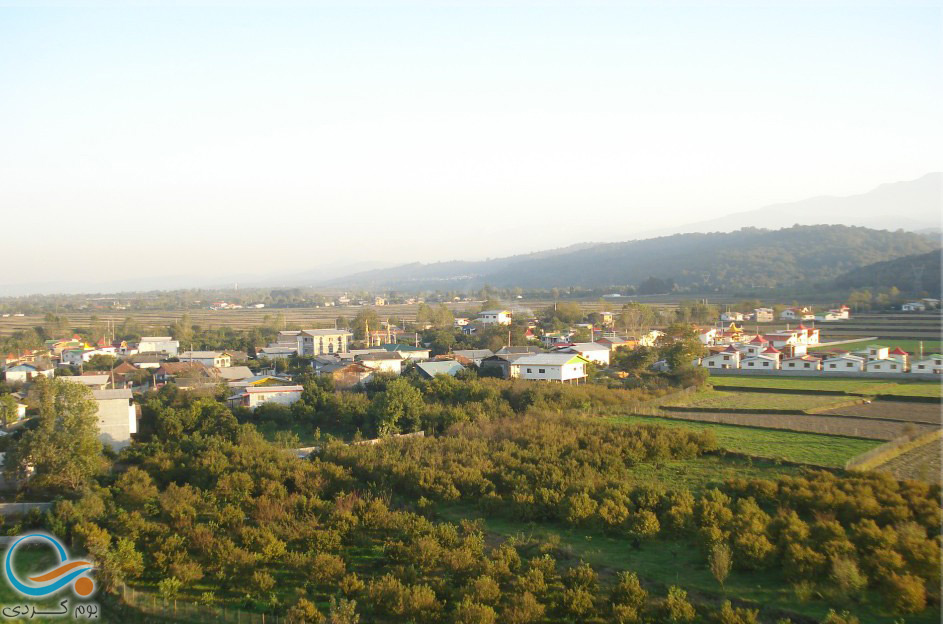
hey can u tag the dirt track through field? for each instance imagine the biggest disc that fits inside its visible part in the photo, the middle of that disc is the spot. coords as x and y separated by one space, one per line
921 463
910 411
817 423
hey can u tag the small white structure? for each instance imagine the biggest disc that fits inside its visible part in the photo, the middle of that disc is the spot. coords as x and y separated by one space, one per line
562 367
494 317
877 352
728 317
802 362
95 382
209 359
117 418
930 365
594 352
728 358
707 335
914 306
767 360
650 338
843 364
254 396
77 357
158 344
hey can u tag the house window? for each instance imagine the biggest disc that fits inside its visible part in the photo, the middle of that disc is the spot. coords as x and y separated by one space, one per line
807 365
765 363
832 365
540 370
529 370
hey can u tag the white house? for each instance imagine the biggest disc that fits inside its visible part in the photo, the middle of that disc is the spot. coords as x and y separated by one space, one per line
158 344
877 352
843 364
900 355
802 362
649 339
884 366
313 342
494 317
383 361
117 418
932 365
596 353
209 359
95 382
763 315
22 373
760 362
728 358
707 335
797 314
914 306
276 352
77 357
254 396
732 316
562 367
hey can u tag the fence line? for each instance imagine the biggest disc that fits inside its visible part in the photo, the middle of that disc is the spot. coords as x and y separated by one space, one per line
157 609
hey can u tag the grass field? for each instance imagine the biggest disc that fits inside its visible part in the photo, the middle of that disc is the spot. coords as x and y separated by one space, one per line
714 399
911 346
807 448
674 562
850 386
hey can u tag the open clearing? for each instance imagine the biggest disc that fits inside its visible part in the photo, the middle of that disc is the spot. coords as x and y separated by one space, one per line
906 411
807 448
714 399
850 386
921 463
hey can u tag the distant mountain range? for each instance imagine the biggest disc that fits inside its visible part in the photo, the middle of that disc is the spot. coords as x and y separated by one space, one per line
748 258
914 205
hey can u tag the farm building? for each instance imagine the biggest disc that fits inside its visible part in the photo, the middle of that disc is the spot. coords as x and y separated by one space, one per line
494 317
158 344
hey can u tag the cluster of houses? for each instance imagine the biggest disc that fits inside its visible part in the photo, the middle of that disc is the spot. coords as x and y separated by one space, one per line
799 313
788 351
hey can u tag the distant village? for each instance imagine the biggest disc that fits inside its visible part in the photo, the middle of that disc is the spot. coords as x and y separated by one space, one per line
548 356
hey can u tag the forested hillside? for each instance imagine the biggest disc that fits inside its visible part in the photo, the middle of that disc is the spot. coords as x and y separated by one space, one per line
748 258
916 274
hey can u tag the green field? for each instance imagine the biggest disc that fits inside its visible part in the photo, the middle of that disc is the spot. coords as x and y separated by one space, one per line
714 399
673 562
850 386
807 448
910 346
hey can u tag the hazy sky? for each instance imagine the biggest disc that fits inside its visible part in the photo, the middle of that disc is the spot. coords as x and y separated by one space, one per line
171 139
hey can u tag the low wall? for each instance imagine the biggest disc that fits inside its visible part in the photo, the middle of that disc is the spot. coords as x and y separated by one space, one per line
18 509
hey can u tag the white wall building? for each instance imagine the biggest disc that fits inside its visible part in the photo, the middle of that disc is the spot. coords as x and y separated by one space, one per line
728 358
117 418
210 359
562 367
312 342
931 365
158 344
254 396
594 352
494 317
843 364
802 362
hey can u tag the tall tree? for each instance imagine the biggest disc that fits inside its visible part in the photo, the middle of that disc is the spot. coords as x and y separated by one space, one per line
63 450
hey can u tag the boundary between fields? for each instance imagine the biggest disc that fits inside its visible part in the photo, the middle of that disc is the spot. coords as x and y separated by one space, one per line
879 455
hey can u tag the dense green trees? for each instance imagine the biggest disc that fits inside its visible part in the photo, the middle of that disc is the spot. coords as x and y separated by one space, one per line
63 450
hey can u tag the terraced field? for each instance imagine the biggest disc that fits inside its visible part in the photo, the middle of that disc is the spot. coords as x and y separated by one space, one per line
721 401
906 411
872 428
922 463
